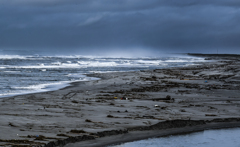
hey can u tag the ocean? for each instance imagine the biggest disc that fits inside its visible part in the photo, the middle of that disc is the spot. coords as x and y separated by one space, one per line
22 74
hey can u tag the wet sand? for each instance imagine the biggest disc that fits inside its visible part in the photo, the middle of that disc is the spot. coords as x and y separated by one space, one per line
136 105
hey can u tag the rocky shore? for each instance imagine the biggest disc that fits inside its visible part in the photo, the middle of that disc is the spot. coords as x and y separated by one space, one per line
126 106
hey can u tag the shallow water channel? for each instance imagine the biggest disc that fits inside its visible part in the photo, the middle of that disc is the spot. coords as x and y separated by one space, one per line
208 138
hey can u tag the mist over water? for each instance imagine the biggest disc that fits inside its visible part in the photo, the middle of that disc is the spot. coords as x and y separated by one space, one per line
21 73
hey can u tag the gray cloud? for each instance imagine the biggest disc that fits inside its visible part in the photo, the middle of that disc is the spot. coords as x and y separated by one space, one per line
107 25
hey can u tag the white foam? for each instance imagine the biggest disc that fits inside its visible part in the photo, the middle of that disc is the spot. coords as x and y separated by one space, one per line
40 67
76 75
36 88
107 71
12 57
65 65
154 62
32 87
12 71
97 63
44 87
56 63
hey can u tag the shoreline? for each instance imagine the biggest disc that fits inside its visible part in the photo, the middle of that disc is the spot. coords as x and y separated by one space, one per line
56 85
121 102
51 87
142 135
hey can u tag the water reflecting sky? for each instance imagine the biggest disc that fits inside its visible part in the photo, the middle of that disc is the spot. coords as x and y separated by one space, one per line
208 138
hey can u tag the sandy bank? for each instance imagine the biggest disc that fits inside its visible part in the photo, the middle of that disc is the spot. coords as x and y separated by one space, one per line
126 103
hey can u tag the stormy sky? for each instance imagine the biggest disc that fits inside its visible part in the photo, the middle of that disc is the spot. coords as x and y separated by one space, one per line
112 26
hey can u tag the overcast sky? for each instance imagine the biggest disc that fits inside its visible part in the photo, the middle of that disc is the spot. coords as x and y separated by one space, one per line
111 26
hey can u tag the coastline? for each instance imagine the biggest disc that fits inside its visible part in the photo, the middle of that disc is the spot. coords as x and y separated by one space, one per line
141 135
123 101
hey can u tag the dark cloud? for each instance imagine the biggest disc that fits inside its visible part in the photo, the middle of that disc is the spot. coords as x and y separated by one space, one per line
107 25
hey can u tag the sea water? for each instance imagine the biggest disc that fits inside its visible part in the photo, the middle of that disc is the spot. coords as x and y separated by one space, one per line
20 74
208 138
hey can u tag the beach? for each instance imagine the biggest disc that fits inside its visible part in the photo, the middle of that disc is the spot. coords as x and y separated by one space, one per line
127 106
